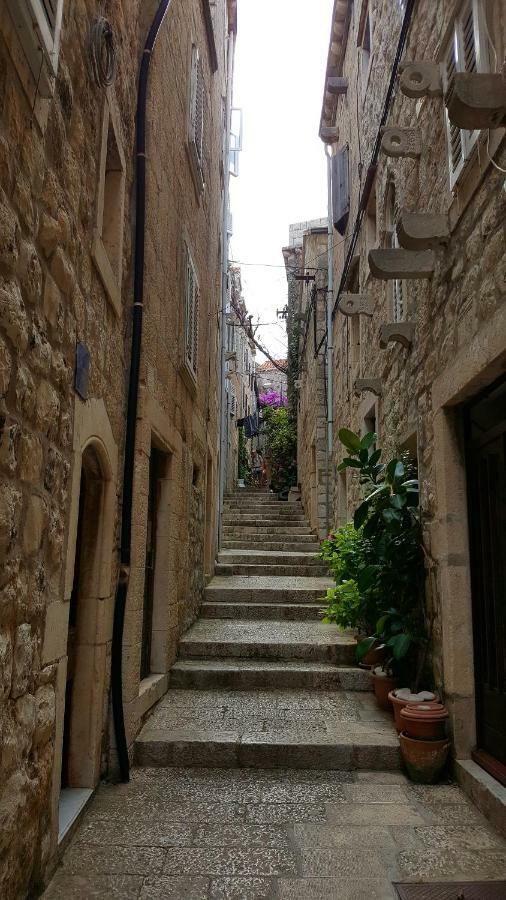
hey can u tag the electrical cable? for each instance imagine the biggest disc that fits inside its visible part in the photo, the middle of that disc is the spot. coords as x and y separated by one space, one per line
102 52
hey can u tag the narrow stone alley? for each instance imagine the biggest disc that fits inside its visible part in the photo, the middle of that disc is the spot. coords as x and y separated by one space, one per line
267 771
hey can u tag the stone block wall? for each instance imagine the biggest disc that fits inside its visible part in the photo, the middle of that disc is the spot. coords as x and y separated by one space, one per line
55 291
455 313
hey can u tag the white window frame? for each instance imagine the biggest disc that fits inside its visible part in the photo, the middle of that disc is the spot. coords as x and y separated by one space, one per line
455 53
191 323
197 117
398 293
40 43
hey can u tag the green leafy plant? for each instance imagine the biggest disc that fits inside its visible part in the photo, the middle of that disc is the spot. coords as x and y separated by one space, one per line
349 556
244 468
281 448
388 518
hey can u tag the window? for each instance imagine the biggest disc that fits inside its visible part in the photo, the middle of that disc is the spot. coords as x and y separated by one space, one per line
38 24
371 220
191 316
108 236
468 51
365 44
396 286
197 118
340 189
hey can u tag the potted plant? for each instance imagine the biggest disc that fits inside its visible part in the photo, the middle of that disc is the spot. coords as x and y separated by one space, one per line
388 518
424 745
400 697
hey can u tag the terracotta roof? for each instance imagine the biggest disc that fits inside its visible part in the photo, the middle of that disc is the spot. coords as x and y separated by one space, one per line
269 367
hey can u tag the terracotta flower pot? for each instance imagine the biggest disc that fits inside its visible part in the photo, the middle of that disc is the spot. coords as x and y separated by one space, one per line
399 703
383 684
374 657
425 721
424 760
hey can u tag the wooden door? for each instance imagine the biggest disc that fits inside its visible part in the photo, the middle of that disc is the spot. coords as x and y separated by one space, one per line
486 466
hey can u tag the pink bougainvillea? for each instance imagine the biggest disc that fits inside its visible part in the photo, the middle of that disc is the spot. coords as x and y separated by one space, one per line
273 399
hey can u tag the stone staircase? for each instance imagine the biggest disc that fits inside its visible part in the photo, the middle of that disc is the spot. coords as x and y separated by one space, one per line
260 680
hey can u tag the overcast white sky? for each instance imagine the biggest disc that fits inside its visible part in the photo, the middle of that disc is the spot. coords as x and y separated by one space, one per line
279 75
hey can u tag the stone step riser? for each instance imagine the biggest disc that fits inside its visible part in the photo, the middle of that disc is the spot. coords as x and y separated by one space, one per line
265 514
263 595
208 678
162 752
272 546
291 533
266 558
343 655
262 612
305 571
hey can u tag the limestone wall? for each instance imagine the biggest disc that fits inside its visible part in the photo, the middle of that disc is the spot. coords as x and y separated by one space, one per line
56 290
459 314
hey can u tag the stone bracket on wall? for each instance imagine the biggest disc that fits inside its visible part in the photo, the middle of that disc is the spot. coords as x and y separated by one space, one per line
421 79
372 385
399 142
422 231
329 135
397 263
476 100
337 85
356 305
397 333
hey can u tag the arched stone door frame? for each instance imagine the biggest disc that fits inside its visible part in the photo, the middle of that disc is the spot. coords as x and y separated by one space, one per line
92 431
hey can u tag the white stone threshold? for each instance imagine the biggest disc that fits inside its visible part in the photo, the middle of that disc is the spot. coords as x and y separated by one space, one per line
72 801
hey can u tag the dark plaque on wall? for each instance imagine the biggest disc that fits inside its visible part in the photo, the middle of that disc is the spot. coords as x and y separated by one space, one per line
82 375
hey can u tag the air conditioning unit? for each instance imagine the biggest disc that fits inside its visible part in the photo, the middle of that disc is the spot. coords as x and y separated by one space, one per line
38 25
476 100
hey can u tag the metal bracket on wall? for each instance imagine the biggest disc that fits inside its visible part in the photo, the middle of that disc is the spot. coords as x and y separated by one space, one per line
397 333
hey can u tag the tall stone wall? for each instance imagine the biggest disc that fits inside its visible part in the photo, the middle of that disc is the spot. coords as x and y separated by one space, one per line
455 314
55 293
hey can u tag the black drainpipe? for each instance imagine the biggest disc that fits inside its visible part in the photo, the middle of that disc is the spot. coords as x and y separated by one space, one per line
133 390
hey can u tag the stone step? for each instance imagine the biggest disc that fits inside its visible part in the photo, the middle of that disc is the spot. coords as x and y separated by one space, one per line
268 557
293 729
294 612
255 530
295 545
256 504
276 589
252 569
268 524
267 640
251 674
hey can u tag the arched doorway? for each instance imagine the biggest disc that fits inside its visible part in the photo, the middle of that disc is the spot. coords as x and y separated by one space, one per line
85 667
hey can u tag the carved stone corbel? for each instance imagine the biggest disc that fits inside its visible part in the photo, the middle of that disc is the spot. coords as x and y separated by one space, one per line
373 385
421 79
401 142
422 231
337 85
397 333
356 305
329 135
476 100
397 263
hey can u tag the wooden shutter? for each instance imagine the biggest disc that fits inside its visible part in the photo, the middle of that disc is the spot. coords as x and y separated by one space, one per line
191 315
340 189
197 107
456 156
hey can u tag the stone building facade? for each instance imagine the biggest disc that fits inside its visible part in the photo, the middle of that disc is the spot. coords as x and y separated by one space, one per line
306 327
420 345
66 296
240 376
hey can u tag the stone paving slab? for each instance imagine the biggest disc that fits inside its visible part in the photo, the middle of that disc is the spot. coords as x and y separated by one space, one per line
247 674
271 835
265 588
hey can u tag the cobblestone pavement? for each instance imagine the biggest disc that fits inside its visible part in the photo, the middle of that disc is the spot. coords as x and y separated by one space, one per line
243 834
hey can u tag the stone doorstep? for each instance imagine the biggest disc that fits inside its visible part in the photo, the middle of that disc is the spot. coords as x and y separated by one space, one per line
292 611
218 749
484 790
237 674
259 569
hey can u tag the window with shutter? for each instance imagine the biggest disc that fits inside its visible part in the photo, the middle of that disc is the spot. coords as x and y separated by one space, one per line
38 24
197 114
468 51
191 316
340 189
392 241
